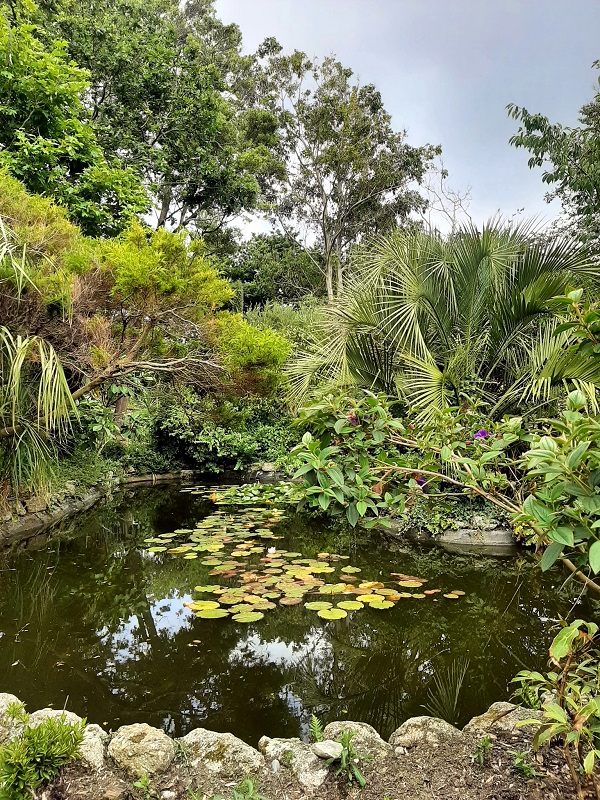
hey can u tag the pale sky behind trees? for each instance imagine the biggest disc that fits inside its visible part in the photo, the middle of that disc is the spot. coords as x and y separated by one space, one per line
447 69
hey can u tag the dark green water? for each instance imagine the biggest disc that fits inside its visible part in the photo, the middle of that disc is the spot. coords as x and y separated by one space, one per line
93 622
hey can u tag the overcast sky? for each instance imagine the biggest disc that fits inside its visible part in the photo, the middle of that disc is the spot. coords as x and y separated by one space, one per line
447 69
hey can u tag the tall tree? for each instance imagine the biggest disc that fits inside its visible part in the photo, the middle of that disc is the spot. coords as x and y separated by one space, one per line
163 96
349 173
46 139
570 158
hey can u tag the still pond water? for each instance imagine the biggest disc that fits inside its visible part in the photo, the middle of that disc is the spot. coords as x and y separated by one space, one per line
94 622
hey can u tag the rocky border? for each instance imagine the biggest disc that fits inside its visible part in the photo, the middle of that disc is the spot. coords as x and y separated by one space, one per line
208 762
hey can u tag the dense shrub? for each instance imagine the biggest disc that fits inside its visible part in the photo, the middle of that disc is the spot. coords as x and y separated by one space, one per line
216 435
36 756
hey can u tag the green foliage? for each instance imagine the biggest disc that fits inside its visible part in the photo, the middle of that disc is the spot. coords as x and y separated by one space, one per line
272 267
436 320
564 506
46 138
568 695
154 271
349 760
35 403
145 786
36 756
483 750
316 729
348 171
444 693
254 357
522 765
213 436
336 457
178 110
570 158
246 790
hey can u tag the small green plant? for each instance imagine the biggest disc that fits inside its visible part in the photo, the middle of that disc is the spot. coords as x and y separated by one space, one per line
522 765
483 750
316 729
36 757
349 760
144 785
246 790
16 712
569 699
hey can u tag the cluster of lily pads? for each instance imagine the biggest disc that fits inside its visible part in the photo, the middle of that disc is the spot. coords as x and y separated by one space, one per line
256 576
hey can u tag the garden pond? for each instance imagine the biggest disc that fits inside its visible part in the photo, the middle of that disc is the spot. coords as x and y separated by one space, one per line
161 606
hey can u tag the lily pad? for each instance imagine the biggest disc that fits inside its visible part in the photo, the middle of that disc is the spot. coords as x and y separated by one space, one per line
248 616
382 604
452 596
290 601
351 605
350 570
317 605
332 613
212 613
411 584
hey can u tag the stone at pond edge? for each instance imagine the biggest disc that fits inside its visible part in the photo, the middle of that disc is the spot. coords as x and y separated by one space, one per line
500 718
219 758
428 731
91 751
367 742
9 727
67 717
141 749
309 770
327 749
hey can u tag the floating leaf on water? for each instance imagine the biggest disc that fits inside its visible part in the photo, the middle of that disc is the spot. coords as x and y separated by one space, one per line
404 594
264 606
332 588
210 588
332 613
212 613
156 549
290 601
190 556
386 592
248 616
317 605
452 596
351 605
459 592
210 562
203 605
419 595
382 604
370 585
350 570
431 591
369 598
411 584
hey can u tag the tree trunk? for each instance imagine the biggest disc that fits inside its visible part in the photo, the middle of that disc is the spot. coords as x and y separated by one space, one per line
120 410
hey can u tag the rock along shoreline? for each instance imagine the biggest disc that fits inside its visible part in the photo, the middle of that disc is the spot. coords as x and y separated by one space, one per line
204 763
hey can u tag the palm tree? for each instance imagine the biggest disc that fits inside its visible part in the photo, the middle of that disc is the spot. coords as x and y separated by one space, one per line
435 320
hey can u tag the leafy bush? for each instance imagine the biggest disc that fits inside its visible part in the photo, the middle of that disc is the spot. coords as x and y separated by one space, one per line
216 435
568 696
254 357
36 756
564 507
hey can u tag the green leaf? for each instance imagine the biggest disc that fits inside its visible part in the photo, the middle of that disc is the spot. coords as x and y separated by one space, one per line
589 761
561 644
594 557
551 554
575 456
563 535
352 514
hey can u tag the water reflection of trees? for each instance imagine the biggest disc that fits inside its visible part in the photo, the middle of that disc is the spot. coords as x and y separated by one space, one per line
115 617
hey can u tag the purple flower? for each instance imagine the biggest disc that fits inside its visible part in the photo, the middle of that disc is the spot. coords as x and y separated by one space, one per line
421 481
481 434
